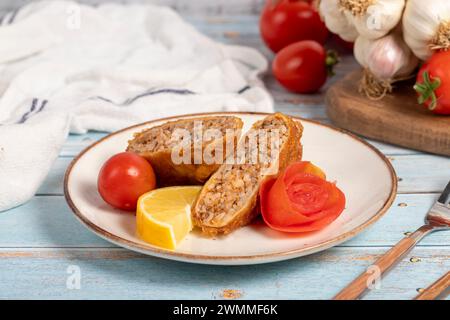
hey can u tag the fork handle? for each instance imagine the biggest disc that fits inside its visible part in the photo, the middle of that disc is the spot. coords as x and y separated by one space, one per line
355 289
437 289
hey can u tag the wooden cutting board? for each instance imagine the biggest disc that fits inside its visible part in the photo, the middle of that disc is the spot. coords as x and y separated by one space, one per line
396 119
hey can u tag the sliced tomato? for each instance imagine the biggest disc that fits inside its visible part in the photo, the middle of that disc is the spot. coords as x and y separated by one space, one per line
276 207
305 167
300 201
307 194
327 216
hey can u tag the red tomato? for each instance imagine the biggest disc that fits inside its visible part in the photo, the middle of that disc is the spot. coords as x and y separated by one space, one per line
124 178
303 67
308 167
287 21
433 83
300 200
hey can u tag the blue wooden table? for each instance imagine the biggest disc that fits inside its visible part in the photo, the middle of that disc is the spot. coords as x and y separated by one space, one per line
44 250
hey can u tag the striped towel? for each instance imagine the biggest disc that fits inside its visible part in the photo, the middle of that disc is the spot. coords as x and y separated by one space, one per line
70 68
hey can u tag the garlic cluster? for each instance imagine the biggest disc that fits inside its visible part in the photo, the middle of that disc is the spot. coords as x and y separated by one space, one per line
386 60
373 19
336 21
379 45
390 35
426 26
388 57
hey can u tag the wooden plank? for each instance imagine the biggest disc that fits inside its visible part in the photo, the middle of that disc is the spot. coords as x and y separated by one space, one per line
75 143
405 216
397 118
417 173
421 172
392 150
298 107
47 221
120 274
228 25
183 6
346 65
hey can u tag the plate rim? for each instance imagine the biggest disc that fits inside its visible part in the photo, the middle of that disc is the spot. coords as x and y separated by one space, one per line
214 259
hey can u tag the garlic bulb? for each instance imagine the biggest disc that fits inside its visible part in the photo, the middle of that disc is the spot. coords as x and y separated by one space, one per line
386 60
426 26
373 19
336 21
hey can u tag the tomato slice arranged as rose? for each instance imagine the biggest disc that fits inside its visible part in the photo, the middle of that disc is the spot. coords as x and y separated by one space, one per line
300 199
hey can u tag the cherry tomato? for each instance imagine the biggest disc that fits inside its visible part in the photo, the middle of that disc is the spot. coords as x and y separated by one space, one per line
124 178
287 21
303 67
300 200
433 83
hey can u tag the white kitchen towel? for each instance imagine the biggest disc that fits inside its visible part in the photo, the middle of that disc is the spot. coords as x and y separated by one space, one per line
66 67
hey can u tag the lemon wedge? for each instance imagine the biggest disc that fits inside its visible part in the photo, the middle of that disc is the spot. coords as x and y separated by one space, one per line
163 216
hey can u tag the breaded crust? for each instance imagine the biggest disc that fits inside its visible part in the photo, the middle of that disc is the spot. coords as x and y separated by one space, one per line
290 151
169 173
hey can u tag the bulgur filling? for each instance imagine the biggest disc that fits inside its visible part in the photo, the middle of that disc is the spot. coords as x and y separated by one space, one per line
233 184
161 138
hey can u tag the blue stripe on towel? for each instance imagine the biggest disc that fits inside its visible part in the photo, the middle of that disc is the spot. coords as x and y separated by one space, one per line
44 103
13 16
154 92
244 89
145 94
10 17
150 93
26 115
3 18
33 110
127 102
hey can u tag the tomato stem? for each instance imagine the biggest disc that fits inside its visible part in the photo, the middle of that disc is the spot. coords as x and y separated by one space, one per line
426 90
330 61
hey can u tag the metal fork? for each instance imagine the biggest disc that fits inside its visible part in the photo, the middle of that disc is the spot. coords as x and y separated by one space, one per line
438 218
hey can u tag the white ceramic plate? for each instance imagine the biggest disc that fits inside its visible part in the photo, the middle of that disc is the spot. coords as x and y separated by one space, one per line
362 172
